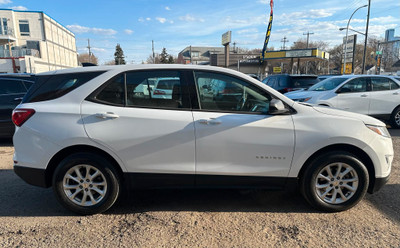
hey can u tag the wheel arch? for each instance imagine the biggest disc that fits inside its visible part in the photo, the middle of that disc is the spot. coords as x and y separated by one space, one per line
360 154
59 156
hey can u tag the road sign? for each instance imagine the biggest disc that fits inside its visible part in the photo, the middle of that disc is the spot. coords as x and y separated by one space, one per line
349 68
226 38
378 52
277 70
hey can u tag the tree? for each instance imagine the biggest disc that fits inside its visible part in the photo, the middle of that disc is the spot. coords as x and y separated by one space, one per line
119 56
84 58
151 60
110 62
164 56
171 59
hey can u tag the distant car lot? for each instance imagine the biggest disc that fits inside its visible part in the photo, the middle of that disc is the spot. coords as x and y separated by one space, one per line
377 96
287 83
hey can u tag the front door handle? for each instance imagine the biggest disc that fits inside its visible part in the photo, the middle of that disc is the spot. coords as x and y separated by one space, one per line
396 93
18 99
364 95
107 115
211 121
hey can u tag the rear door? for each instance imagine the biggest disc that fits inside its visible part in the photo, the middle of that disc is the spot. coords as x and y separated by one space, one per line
11 93
384 95
153 136
354 96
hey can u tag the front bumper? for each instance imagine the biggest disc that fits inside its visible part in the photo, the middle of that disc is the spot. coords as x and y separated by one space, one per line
379 183
33 176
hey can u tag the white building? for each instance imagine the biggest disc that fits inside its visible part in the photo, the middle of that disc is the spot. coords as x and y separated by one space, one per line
33 42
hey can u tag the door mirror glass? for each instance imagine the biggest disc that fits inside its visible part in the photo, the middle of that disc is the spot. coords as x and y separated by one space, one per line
277 107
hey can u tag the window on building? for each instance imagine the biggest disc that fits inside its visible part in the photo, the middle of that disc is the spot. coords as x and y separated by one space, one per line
24 27
195 54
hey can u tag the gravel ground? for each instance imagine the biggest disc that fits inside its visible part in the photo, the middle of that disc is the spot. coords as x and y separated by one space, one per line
31 217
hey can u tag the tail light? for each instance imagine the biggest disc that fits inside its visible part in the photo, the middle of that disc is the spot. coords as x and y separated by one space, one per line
19 116
288 89
158 92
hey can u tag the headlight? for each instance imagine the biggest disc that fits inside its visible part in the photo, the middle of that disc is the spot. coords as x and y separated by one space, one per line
303 99
379 130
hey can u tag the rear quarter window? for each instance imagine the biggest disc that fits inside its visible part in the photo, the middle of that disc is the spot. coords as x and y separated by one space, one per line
49 87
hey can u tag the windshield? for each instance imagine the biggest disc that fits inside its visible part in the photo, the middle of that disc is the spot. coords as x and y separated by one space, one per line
328 84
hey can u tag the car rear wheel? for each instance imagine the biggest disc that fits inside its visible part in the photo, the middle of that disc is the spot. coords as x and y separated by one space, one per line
335 181
395 118
86 183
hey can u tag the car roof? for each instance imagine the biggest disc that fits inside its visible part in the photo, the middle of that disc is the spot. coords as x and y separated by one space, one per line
138 67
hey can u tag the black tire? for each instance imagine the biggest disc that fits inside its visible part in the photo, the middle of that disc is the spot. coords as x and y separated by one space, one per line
334 160
83 161
395 115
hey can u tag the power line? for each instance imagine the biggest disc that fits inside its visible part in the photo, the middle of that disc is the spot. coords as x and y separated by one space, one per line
284 41
308 37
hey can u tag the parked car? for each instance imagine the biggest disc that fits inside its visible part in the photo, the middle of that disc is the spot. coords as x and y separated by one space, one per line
286 83
83 133
12 89
164 87
378 96
323 77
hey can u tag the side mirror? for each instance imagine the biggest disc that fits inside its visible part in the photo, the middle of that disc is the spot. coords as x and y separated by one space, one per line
277 107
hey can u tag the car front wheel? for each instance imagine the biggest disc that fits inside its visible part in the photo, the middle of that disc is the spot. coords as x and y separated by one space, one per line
86 183
335 181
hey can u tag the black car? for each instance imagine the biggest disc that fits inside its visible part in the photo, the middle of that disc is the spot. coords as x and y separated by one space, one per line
13 87
285 83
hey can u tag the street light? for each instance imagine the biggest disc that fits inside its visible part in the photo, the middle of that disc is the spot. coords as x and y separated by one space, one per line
341 29
347 32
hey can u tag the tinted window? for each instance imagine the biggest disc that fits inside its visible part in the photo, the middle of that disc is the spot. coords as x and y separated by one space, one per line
379 84
393 85
328 84
50 87
27 84
303 82
355 85
283 81
11 87
161 89
220 92
112 92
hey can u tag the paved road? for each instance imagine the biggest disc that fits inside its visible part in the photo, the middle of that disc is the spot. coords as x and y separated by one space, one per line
30 216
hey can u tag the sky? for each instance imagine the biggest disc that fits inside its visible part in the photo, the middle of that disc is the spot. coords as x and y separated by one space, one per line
176 24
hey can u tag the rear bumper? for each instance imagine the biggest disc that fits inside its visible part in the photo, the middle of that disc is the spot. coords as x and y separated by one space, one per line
379 183
33 176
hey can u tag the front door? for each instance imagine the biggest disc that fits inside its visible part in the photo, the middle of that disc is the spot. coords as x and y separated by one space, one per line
237 141
354 96
154 137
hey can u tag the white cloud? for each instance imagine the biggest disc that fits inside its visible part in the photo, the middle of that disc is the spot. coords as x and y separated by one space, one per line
96 49
100 31
167 8
141 19
19 8
161 19
247 31
148 19
190 18
312 13
128 31
5 1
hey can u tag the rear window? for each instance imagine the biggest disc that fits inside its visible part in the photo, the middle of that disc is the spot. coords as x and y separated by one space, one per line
303 82
49 87
167 84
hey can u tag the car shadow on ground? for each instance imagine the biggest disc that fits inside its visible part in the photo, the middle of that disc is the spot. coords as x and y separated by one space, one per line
387 201
21 199
394 132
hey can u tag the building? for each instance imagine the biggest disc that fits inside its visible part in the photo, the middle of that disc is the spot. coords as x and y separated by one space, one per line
394 46
198 55
33 42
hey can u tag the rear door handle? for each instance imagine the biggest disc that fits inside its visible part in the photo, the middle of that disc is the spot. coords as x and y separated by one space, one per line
396 93
18 99
107 115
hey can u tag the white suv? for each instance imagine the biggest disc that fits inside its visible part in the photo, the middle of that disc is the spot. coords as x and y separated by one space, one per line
378 96
88 131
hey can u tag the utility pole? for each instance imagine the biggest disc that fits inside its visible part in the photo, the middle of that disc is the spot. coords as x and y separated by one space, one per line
284 40
234 46
90 53
366 37
190 54
308 42
308 37
152 48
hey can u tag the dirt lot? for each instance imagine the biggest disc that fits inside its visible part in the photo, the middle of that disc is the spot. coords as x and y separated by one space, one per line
31 217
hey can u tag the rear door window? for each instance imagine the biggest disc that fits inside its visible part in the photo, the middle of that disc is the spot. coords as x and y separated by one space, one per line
8 87
303 82
49 87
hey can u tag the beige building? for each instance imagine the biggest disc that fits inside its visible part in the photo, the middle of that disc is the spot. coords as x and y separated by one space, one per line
33 42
